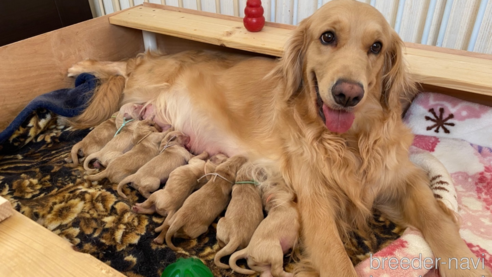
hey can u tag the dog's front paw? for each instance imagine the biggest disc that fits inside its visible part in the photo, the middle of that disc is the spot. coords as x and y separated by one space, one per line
80 67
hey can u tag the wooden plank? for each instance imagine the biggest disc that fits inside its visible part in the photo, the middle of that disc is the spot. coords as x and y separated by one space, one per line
39 65
201 28
438 68
6 209
28 249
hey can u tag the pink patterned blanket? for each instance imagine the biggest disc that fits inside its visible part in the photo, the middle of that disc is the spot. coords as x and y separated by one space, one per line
453 144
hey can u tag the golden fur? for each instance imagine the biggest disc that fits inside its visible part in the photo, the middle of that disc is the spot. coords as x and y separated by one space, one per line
145 141
272 115
94 141
275 235
148 176
243 215
203 206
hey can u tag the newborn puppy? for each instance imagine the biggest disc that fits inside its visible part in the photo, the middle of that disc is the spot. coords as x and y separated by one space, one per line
275 235
204 205
129 111
149 177
94 141
119 144
244 213
181 183
146 139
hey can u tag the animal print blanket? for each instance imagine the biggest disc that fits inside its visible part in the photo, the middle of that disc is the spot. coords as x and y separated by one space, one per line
40 184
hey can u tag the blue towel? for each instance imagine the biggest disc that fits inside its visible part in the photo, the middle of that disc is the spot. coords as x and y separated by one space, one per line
64 102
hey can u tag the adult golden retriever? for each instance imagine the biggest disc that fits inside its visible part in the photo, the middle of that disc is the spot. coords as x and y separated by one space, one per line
327 115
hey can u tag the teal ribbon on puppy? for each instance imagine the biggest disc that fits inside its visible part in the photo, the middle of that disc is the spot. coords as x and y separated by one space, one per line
123 125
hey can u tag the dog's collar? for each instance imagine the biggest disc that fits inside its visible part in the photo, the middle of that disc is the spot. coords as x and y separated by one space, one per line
167 144
215 177
143 138
123 125
252 182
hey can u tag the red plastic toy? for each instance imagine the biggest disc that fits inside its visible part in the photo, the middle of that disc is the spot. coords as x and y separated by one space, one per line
254 19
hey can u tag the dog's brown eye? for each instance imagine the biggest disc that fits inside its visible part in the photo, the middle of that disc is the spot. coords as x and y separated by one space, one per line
327 38
376 47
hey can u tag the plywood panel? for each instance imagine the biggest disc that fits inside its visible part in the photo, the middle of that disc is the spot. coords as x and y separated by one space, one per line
28 249
39 65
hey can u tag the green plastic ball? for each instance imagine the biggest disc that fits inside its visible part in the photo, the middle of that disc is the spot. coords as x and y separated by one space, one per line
190 267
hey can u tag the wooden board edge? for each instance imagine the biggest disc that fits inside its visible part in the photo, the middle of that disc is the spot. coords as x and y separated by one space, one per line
6 209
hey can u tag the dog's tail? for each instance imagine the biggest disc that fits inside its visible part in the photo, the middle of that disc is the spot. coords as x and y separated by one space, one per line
175 226
241 254
125 181
74 155
98 176
87 160
104 102
227 250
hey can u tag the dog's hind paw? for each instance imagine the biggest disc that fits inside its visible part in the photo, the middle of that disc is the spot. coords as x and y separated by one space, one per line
80 67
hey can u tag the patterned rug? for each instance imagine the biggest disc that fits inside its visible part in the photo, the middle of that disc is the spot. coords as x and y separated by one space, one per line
40 184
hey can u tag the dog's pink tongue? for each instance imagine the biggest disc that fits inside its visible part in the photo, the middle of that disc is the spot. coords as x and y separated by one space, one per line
338 121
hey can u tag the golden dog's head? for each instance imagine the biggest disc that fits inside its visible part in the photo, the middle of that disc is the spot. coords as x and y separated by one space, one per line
349 60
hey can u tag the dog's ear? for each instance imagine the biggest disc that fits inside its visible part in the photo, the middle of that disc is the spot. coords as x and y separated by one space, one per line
292 62
398 87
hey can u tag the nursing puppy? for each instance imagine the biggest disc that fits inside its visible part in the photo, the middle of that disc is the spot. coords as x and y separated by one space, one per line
275 235
203 206
182 181
120 140
94 141
179 186
146 138
149 177
244 213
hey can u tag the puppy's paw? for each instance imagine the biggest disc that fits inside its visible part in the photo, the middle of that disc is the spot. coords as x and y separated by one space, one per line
136 208
80 67
96 164
159 240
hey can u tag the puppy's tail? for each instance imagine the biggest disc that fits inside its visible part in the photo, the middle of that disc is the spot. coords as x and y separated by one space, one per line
98 176
73 153
227 250
104 102
242 254
87 160
125 181
175 226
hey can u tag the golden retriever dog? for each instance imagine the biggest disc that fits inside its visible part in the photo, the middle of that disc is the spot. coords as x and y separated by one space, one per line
275 235
146 138
243 215
171 156
205 205
94 141
327 115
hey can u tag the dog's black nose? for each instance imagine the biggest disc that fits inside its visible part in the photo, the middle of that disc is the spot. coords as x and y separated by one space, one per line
347 93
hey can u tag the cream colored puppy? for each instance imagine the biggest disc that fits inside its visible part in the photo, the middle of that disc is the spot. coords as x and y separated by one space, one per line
149 177
275 235
204 205
146 138
94 141
243 215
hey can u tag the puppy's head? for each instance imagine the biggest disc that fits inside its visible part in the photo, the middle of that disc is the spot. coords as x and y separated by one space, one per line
175 138
147 126
218 158
348 60
231 166
127 112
